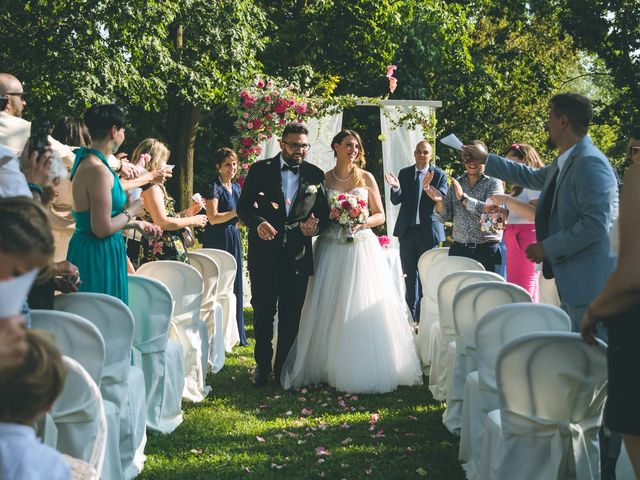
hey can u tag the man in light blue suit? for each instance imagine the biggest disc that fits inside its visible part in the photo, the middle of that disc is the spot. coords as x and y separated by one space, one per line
577 204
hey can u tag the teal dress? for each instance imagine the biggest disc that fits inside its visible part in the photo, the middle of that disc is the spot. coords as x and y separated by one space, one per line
102 262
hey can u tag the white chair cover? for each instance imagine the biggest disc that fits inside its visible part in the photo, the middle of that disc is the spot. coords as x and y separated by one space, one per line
469 305
495 329
432 271
443 331
96 459
122 383
186 286
74 411
224 293
552 389
161 359
211 311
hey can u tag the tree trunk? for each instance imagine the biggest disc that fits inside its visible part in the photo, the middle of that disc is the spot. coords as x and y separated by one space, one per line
183 123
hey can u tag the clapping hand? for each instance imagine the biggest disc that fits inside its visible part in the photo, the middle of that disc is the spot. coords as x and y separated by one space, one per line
149 230
392 180
309 227
432 192
159 175
36 164
128 170
457 188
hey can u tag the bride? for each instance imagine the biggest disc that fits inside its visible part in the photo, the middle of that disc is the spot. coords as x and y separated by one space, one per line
353 333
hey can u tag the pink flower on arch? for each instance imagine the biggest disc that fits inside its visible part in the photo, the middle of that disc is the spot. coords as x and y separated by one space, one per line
280 105
257 123
247 141
301 109
260 83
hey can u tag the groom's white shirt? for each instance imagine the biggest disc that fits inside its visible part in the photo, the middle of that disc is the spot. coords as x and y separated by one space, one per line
290 183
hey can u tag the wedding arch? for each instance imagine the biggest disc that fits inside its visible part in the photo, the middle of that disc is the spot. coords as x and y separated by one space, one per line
265 108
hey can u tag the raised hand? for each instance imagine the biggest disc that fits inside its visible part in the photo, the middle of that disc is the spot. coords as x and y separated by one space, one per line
128 170
473 153
392 180
457 188
434 194
426 181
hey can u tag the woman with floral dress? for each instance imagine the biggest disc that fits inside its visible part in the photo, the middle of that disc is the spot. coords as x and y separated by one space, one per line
159 209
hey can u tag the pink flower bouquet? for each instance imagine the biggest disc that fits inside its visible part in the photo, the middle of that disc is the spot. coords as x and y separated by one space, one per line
348 211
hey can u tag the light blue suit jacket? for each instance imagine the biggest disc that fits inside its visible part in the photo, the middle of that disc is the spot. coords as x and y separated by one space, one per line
584 207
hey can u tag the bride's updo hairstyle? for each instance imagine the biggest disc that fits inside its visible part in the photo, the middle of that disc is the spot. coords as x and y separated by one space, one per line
359 162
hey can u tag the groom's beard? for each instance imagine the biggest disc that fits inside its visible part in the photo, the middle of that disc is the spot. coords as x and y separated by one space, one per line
294 159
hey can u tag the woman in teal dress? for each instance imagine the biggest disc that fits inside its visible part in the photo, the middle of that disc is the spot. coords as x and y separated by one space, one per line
101 209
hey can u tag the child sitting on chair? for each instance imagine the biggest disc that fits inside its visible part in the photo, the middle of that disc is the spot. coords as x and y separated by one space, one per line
27 392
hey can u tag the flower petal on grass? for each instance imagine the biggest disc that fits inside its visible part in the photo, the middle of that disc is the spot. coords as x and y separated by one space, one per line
276 466
307 411
345 426
422 472
379 433
347 441
323 452
260 439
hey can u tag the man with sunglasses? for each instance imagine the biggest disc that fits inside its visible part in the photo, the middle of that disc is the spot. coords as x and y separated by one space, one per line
283 204
14 130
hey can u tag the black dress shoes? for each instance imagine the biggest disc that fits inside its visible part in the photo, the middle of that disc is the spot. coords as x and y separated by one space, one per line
260 376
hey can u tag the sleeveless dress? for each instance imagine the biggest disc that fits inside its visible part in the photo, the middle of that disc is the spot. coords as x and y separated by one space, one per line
101 261
226 236
353 330
167 247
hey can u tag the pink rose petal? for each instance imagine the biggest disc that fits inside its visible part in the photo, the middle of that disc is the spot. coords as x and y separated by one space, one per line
323 452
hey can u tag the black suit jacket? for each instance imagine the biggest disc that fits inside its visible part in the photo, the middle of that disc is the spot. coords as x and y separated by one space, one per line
432 229
262 200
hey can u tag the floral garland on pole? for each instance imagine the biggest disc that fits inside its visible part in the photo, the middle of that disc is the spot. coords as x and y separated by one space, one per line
264 109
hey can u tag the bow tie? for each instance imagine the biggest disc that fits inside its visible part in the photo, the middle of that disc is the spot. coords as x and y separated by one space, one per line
295 169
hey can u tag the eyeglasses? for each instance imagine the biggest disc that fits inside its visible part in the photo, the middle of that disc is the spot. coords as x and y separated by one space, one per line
297 146
16 94
632 150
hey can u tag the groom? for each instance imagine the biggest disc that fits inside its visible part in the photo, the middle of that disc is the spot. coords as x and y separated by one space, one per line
283 204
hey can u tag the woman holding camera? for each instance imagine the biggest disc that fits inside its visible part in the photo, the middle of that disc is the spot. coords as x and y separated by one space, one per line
101 208
159 209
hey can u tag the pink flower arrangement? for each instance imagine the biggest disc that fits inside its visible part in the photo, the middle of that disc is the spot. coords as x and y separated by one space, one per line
262 111
348 211
384 240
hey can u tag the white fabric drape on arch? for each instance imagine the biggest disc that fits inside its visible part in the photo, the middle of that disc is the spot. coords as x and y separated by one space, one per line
321 131
397 151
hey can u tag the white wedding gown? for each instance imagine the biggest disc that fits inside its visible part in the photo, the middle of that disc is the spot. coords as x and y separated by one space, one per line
353 331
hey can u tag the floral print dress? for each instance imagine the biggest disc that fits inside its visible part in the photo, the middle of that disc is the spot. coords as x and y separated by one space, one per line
168 247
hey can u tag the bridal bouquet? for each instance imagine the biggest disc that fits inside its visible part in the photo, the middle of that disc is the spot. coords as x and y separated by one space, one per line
348 211
493 219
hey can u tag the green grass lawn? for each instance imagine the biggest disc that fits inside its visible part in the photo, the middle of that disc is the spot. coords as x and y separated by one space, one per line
241 431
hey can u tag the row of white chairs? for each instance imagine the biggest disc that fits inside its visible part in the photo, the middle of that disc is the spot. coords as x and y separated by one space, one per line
156 353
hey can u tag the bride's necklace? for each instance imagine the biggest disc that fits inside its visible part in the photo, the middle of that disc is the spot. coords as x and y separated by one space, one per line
333 172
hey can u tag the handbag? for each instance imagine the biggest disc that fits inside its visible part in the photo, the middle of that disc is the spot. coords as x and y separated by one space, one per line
187 237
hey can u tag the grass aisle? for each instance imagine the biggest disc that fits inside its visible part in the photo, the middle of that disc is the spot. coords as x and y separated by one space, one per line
241 431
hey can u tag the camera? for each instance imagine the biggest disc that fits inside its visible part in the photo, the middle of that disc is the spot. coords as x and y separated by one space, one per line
39 135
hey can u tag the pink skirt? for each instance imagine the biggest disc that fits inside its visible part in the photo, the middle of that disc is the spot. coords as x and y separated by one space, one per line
521 270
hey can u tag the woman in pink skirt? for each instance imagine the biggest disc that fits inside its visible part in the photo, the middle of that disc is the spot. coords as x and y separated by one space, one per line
520 230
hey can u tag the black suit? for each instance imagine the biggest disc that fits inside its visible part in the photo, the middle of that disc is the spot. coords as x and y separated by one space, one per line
416 239
279 269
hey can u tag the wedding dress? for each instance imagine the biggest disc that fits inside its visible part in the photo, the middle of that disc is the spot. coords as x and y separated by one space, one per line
353 331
